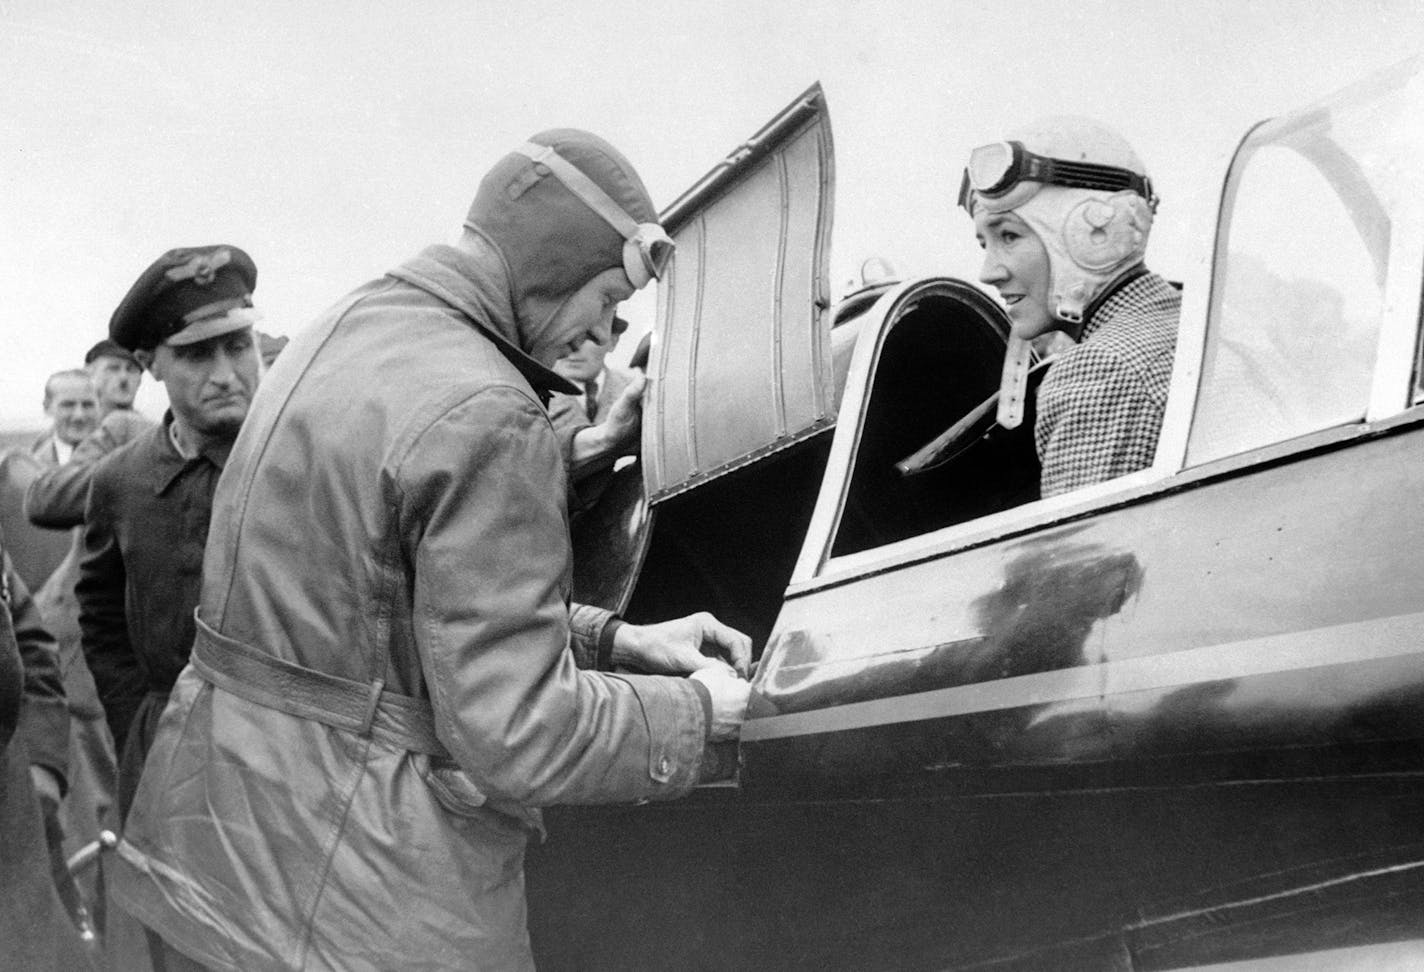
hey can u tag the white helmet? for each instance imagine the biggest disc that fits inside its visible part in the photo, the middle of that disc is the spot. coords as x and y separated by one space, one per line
1082 189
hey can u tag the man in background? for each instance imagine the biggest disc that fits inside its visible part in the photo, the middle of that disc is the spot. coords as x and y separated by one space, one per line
72 409
116 374
56 498
588 368
601 423
188 320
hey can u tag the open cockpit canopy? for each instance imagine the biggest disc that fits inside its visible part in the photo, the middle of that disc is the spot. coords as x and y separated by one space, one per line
741 367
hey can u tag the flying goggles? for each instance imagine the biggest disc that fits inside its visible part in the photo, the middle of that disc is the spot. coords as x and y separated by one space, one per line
994 170
647 248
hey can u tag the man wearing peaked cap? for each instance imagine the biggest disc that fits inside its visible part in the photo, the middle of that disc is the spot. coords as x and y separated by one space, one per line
188 320
221 280
388 679
186 296
116 374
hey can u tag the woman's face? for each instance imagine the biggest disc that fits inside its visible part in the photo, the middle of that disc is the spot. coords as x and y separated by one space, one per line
1016 264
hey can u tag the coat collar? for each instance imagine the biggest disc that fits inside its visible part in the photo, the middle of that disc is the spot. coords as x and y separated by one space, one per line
1096 315
43 448
478 286
164 464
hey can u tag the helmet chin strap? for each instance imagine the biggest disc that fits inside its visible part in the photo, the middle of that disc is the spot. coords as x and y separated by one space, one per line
548 318
1013 383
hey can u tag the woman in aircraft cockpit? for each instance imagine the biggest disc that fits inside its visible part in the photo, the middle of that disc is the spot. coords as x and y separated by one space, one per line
1063 210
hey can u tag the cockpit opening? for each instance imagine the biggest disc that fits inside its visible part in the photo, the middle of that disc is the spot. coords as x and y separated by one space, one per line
940 360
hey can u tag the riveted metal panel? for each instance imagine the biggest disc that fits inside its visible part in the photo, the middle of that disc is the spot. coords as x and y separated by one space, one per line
741 365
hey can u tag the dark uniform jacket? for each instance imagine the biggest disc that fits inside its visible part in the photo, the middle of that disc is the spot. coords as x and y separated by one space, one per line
139 581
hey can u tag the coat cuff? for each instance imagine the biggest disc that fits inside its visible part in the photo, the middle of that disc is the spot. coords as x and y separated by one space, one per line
588 625
605 644
705 694
677 730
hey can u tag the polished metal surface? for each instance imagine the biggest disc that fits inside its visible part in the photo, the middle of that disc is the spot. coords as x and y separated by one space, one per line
1240 615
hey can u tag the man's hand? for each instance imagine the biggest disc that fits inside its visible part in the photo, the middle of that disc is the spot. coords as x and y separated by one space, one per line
617 435
730 695
689 644
624 421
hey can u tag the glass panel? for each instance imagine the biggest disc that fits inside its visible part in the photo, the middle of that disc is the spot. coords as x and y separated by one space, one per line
1298 289
1293 345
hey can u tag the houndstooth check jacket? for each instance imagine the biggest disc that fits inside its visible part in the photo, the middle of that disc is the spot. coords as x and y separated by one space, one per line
1100 405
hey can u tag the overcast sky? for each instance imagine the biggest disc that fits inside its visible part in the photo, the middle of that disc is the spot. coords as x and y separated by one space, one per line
333 140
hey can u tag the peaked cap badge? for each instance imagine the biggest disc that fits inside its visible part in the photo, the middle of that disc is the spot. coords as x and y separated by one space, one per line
201 269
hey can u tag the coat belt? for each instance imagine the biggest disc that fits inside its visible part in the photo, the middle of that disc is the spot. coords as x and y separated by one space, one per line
402 721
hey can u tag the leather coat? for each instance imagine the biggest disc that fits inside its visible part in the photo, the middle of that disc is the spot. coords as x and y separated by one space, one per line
392 512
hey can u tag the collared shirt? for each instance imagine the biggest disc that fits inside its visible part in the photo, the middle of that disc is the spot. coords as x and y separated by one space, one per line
145 528
49 450
1100 405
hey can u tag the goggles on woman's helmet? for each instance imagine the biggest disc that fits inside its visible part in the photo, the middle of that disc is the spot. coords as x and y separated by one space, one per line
995 169
647 249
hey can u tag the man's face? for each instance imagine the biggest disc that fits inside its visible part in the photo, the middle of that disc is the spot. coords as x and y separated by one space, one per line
585 363
72 408
586 316
116 380
1016 264
210 384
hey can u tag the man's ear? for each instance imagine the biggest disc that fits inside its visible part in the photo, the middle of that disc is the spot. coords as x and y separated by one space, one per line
145 359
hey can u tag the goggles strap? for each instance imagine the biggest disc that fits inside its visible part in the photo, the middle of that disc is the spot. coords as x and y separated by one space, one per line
582 186
1026 166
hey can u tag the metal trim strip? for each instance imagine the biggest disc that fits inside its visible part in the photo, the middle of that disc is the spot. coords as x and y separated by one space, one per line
1358 641
778 299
